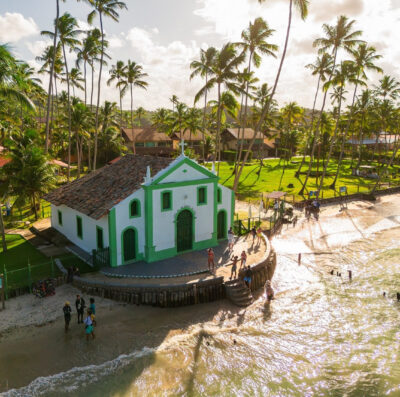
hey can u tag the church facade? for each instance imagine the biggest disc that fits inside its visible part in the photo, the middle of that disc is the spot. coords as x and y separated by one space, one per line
144 208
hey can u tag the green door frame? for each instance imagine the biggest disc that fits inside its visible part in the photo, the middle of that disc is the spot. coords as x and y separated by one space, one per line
193 228
225 224
123 261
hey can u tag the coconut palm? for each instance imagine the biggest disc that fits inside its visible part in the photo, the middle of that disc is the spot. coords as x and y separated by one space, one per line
161 119
177 121
202 68
320 68
223 72
338 36
388 87
76 80
302 7
102 8
133 77
174 100
140 112
117 74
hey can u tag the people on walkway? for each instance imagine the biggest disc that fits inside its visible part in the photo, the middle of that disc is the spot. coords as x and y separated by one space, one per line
80 307
231 239
211 264
67 315
89 330
247 277
235 260
243 259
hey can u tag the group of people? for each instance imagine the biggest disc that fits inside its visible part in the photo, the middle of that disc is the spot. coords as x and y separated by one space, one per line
80 305
312 207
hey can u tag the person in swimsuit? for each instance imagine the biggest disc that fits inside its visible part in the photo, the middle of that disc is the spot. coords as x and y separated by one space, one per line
89 330
211 264
247 277
235 260
231 239
269 292
243 258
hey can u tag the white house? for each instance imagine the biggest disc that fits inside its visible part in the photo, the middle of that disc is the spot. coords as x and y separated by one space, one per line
144 208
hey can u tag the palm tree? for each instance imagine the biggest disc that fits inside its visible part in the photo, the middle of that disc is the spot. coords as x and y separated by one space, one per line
177 121
161 119
133 77
193 122
49 92
339 36
320 68
364 58
302 7
117 74
109 9
202 68
75 79
140 112
67 32
223 72
174 100
388 87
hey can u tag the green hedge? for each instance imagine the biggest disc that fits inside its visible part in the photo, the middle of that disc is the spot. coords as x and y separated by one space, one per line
230 155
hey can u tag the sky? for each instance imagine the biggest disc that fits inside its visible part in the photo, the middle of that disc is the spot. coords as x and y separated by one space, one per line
164 36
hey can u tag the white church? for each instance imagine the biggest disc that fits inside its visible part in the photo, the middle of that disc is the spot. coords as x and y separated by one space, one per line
144 208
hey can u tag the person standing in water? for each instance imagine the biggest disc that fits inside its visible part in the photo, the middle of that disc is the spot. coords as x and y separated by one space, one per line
67 315
89 325
80 307
92 308
299 259
269 292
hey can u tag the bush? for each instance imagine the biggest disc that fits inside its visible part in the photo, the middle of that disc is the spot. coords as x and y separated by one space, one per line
230 155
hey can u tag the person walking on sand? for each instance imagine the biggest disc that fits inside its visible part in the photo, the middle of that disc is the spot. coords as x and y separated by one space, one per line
235 260
89 325
211 264
80 307
231 239
243 258
67 315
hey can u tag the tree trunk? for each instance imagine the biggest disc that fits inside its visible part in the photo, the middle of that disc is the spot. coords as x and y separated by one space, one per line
120 107
51 76
218 143
133 137
332 186
69 115
78 156
96 133
268 104
204 119
3 233
84 74
92 86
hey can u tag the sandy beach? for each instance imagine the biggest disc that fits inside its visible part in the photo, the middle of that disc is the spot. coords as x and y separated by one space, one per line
33 342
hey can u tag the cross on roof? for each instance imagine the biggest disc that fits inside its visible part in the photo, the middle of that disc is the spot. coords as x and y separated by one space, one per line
182 145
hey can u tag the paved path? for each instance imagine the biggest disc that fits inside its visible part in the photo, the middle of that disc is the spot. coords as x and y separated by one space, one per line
190 264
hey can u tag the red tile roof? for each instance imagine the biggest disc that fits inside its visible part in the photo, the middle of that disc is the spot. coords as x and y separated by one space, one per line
4 161
96 193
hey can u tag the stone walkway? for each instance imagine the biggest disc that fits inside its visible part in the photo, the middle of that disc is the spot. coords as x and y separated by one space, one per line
190 264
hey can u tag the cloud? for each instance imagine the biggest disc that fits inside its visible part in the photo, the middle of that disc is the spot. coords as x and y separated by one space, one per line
323 11
115 42
37 47
14 27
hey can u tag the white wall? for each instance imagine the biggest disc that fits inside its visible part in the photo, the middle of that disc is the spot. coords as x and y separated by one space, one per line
69 229
186 196
122 212
184 173
226 203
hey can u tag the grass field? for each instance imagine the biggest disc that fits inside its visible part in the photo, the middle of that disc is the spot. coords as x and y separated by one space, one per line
256 179
20 253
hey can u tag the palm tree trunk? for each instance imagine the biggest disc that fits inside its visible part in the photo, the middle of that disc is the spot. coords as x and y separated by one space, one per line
120 107
96 132
34 206
69 115
84 76
204 119
92 88
133 137
2 231
218 151
78 155
309 135
51 76
268 104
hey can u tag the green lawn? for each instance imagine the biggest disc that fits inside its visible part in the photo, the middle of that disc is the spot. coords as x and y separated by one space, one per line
19 252
256 179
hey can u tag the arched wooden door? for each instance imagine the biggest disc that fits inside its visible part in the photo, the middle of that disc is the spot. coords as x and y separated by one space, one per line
184 231
129 245
221 225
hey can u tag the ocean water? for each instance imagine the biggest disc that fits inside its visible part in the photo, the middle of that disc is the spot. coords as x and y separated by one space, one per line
322 335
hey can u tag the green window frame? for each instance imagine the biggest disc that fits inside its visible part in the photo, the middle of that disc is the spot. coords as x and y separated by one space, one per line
219 195
99 237
60 219
79 227
166 200
202 195
134 208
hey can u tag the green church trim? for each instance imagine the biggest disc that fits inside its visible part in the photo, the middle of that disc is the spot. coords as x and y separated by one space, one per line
138 255
112 237
232 207
188 162
148 223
